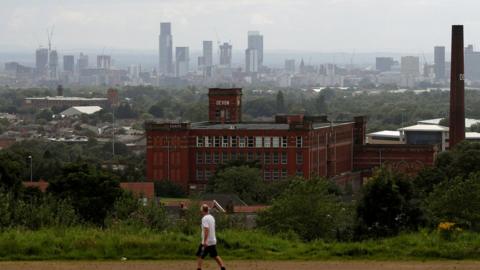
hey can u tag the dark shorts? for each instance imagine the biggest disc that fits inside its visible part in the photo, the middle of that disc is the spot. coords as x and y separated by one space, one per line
204 251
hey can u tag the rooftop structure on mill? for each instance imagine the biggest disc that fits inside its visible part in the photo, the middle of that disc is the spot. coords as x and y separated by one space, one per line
189 153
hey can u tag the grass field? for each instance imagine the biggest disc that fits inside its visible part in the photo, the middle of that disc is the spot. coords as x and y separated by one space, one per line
95 244
242 265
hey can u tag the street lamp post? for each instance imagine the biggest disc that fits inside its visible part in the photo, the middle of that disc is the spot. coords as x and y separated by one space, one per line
113 132
31 168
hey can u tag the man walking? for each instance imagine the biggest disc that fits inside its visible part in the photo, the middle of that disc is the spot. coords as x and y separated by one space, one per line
209 241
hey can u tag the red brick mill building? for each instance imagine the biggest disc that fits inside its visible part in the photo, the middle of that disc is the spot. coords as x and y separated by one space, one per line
189 153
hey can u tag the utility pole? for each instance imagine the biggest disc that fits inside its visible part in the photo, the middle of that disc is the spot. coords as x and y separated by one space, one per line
31 168
113 132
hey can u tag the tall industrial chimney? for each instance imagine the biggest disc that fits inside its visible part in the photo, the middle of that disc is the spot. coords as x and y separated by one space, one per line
457 88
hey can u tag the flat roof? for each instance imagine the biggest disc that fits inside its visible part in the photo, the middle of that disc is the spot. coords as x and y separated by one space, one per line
242 126
255 126
61 98
83 109
386 134
472 135
425 127
436 121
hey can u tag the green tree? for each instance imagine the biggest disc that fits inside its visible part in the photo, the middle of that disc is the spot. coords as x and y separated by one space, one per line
11 172
280 103
130 211
156 110
169 189
45 114
456 200
426 181
310 209
387 206
321 104
460 161
91 190
125 111
244 181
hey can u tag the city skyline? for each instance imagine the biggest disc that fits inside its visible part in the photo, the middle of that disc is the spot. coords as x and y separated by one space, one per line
400 27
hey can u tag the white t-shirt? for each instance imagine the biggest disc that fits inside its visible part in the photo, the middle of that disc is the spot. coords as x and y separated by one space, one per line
209 222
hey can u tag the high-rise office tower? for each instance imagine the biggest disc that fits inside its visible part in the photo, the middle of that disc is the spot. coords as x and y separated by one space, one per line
290 65
82 62
472 63
384 64
208 53
41 61
255 41
104 61
439 60
206 60
226 55
165 49
251 60
181 61
69 63
410 65
53 64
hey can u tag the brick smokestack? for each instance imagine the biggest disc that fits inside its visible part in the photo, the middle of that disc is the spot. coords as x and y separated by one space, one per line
457 88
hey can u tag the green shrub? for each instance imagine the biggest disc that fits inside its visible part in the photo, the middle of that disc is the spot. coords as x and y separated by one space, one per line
456 200
131 212
168 189
91 190
387 206
37 213
311 210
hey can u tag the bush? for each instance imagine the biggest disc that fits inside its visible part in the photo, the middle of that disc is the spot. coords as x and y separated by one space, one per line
168 189
310 209
130 212
456 200
387 206
91 190
35 213
189 222
11 172
243 180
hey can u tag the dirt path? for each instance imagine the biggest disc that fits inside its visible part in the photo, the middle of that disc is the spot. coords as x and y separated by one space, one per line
241 265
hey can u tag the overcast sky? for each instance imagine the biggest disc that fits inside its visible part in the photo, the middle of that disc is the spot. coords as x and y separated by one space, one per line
413 26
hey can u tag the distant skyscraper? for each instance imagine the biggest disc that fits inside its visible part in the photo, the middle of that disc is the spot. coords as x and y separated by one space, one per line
165 49
53 64
208 53
383 64
251 60
302 67
82 62
104 61
69 63
472 63
181 61
226 55
439 58
290 65
410 65
41 61
205 62
255 41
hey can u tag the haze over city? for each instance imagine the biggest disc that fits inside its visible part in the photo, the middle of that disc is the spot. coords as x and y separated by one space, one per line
407 26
